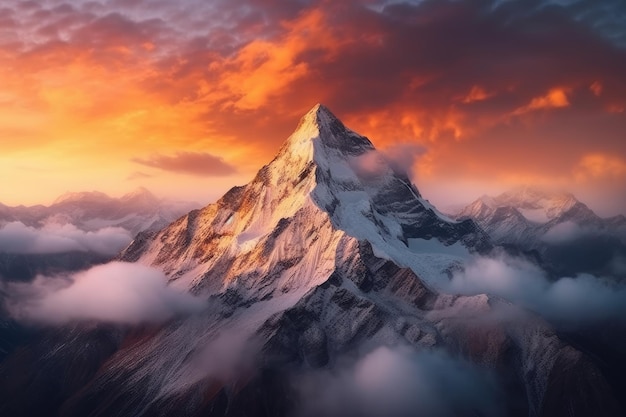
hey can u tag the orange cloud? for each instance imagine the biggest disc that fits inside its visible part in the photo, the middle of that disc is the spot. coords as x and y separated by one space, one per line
615 108
597 166
554 99
264 69
596 88
401 123
477 93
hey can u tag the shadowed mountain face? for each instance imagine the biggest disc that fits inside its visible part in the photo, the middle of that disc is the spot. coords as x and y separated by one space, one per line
323 283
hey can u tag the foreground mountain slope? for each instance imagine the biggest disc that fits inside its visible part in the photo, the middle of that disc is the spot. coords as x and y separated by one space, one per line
326 255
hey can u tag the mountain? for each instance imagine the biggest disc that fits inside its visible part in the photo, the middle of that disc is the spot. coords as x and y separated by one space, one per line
326 183
80 224
517 215
564 231
326 256
137 211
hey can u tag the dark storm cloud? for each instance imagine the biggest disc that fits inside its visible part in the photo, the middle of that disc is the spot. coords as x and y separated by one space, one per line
445 48
201 164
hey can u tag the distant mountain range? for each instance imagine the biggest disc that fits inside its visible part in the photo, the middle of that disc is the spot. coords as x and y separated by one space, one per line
326 285
78 230
136 211
566 233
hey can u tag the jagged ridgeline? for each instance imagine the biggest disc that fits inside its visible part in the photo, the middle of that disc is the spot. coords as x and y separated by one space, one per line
326 255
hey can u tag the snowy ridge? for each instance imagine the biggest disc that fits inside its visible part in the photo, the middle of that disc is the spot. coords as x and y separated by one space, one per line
525 215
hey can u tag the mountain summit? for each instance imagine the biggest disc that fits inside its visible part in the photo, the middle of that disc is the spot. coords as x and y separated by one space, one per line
321 124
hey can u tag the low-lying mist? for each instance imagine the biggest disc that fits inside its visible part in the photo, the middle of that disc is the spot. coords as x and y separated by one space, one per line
582 298
18 238
116 292
400 381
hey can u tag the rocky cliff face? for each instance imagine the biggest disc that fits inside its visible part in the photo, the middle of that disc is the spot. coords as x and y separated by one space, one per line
326 255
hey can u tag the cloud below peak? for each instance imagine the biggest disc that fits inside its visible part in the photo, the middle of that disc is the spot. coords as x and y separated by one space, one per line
115 292
400 381
581 299
17 238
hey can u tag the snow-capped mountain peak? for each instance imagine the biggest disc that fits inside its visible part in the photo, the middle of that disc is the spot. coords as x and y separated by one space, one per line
319 127
535 204
326 184
549 224
321 124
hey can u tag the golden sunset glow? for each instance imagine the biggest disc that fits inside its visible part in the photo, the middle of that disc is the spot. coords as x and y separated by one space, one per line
191 99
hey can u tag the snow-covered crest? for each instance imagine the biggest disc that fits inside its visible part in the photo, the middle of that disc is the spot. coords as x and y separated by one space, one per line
280 232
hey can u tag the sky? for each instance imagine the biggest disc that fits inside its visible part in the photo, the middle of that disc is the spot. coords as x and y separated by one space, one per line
192 97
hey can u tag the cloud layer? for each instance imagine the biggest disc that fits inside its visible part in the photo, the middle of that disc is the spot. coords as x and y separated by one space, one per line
16 237
581 299
115 292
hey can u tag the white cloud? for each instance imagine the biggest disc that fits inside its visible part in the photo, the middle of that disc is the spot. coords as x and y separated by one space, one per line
16 237
115 292
403 156
563 232
400 158
569 299
401 381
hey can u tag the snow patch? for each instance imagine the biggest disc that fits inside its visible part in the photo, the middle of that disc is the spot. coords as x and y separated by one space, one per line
538 215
